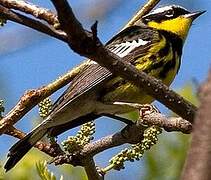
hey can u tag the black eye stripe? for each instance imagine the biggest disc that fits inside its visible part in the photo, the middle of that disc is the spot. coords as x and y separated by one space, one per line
156 17
180 11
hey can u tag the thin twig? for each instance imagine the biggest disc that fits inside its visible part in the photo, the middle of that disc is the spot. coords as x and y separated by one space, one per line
37 12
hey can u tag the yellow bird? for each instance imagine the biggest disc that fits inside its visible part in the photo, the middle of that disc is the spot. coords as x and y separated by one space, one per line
154 45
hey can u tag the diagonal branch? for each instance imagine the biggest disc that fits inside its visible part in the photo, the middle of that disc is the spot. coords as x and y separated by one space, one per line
82 43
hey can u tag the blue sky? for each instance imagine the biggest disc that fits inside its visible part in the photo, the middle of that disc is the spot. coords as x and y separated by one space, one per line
42 59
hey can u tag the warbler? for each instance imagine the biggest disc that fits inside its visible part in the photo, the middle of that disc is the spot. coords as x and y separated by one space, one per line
153 45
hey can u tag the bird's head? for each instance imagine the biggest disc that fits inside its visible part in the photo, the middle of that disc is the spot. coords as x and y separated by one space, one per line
175 19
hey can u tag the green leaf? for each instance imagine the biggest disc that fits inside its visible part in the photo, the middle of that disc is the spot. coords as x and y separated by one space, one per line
44 173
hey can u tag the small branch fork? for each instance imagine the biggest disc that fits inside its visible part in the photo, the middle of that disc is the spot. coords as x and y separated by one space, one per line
68 29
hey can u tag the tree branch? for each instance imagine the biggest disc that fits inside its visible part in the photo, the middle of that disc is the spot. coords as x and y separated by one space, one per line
82 43
169 124
130 134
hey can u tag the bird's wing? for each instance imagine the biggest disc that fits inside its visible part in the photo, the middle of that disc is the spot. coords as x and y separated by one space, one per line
133 41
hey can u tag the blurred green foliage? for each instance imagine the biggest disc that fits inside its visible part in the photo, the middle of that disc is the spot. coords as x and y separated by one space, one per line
165 160
32 167
44 172
1 172
26 169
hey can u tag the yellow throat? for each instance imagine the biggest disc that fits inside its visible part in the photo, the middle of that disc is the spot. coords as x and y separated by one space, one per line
179 26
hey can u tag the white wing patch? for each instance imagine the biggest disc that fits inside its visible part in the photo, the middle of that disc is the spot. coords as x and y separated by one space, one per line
125 48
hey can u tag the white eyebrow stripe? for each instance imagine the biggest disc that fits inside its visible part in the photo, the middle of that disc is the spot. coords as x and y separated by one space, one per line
165 8
160 10
127 47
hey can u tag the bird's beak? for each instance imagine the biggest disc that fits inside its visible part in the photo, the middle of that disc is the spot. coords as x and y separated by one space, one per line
194 15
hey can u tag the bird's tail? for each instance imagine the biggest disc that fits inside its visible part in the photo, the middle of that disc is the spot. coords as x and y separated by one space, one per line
18 150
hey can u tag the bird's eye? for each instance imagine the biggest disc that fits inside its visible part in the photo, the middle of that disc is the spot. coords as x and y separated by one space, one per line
169 13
